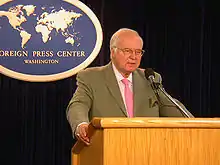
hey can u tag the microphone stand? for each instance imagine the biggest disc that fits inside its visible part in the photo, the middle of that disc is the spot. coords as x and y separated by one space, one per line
182 110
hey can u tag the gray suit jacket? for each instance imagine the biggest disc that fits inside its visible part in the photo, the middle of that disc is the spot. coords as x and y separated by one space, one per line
98 95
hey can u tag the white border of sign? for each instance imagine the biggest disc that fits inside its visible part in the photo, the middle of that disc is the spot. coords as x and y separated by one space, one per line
59 76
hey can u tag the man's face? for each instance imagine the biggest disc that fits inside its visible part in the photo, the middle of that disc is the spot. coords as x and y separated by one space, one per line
126 55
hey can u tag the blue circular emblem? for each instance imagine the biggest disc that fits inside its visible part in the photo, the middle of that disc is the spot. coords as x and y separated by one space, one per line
40 41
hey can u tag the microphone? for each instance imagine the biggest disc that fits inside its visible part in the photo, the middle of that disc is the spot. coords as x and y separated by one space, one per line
150 75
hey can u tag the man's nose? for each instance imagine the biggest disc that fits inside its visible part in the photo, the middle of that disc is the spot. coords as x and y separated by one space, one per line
133 55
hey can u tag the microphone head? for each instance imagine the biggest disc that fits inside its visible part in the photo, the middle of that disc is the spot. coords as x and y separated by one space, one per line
149 72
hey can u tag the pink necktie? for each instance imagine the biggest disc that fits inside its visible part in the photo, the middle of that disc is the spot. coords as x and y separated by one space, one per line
128 97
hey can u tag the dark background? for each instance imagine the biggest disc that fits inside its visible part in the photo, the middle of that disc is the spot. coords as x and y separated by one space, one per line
181 42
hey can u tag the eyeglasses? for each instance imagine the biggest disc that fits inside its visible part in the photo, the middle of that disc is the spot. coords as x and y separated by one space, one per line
129 51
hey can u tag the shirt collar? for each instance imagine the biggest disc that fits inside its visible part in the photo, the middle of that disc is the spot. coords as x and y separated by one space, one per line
119 76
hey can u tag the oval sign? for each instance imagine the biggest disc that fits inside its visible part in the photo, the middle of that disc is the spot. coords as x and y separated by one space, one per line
42 41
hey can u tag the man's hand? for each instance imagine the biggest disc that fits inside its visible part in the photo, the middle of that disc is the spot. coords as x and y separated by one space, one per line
82 133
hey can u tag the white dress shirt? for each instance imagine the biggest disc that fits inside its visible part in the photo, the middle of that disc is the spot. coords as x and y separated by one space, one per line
119 78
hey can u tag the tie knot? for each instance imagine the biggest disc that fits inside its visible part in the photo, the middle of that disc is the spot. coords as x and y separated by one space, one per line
125 81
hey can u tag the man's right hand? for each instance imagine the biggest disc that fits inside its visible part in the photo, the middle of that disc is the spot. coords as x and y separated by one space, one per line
82 133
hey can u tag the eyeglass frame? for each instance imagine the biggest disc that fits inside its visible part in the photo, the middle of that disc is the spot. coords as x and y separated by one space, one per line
131 51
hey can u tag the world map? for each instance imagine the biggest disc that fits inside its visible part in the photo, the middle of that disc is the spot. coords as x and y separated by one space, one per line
46 22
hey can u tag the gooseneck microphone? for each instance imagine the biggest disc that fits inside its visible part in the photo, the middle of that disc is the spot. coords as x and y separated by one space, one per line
150 75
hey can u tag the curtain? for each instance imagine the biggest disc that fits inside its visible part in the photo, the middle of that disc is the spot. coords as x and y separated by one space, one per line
181 40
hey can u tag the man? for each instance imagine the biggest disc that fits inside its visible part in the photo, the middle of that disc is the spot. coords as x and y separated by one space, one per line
118 89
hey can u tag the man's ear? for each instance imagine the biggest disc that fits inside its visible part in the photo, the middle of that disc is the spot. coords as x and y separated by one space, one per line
112 52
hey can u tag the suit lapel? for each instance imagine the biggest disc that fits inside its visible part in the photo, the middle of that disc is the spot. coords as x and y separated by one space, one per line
113 87
136 92
140 86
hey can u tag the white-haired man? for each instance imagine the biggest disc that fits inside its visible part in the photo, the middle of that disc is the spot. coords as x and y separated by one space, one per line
118 89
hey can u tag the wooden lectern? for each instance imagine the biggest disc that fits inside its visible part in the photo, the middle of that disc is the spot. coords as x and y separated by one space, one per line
150 141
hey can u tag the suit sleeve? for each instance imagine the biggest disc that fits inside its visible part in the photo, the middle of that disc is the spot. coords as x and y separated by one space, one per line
80 103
